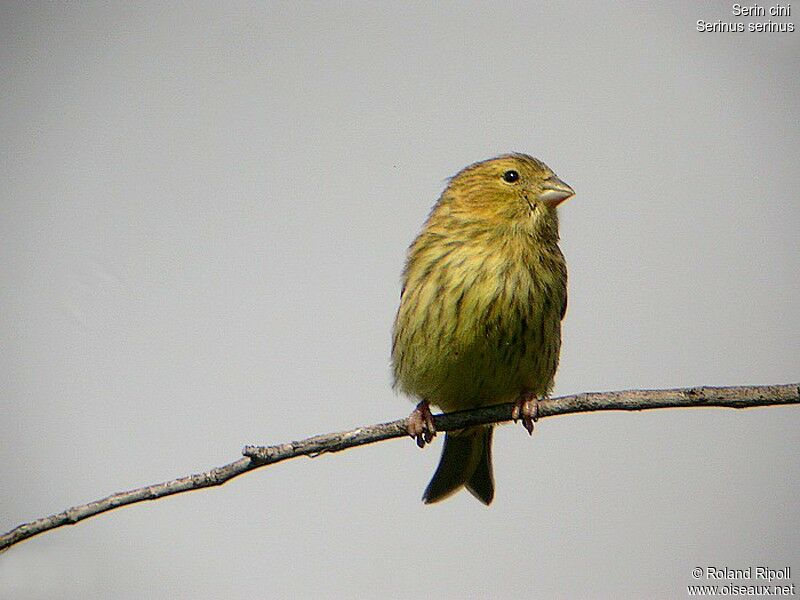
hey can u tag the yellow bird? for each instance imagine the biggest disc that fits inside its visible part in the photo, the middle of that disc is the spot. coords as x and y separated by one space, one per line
479 323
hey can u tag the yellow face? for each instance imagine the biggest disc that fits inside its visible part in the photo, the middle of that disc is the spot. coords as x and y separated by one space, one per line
508 188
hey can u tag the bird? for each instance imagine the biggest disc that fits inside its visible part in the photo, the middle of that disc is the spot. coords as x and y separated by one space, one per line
484 292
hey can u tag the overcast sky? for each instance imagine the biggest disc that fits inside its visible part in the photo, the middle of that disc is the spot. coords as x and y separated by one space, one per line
204 213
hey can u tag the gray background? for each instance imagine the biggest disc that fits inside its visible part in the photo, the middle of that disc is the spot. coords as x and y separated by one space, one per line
204 212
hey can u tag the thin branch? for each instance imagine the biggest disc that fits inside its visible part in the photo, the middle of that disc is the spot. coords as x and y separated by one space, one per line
259 456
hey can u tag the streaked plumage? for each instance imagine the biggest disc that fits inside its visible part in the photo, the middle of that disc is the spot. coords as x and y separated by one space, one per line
484 291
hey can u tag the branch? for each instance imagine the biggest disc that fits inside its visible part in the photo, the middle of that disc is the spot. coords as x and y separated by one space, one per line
260 456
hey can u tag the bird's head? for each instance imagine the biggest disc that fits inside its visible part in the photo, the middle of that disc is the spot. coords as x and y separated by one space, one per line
513 190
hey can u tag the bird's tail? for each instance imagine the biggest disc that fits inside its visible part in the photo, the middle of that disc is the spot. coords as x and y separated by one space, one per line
466 461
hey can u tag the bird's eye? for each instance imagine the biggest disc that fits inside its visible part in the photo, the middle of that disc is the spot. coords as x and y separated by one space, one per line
510 176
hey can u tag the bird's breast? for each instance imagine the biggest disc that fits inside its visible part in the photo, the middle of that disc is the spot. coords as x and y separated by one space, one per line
480 327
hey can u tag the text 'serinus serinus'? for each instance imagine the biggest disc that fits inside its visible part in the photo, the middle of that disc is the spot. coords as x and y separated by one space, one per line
484 292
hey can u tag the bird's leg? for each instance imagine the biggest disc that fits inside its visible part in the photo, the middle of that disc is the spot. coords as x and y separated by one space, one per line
527 409
420 424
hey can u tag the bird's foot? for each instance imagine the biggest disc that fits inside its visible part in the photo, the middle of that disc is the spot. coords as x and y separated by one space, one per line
420 424
526 409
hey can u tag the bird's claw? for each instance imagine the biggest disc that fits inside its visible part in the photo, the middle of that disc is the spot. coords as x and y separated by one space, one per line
420 424
527 410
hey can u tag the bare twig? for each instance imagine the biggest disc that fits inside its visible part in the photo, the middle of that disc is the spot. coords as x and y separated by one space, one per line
259 456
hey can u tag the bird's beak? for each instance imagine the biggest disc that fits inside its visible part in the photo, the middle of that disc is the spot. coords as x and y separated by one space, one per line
555 191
